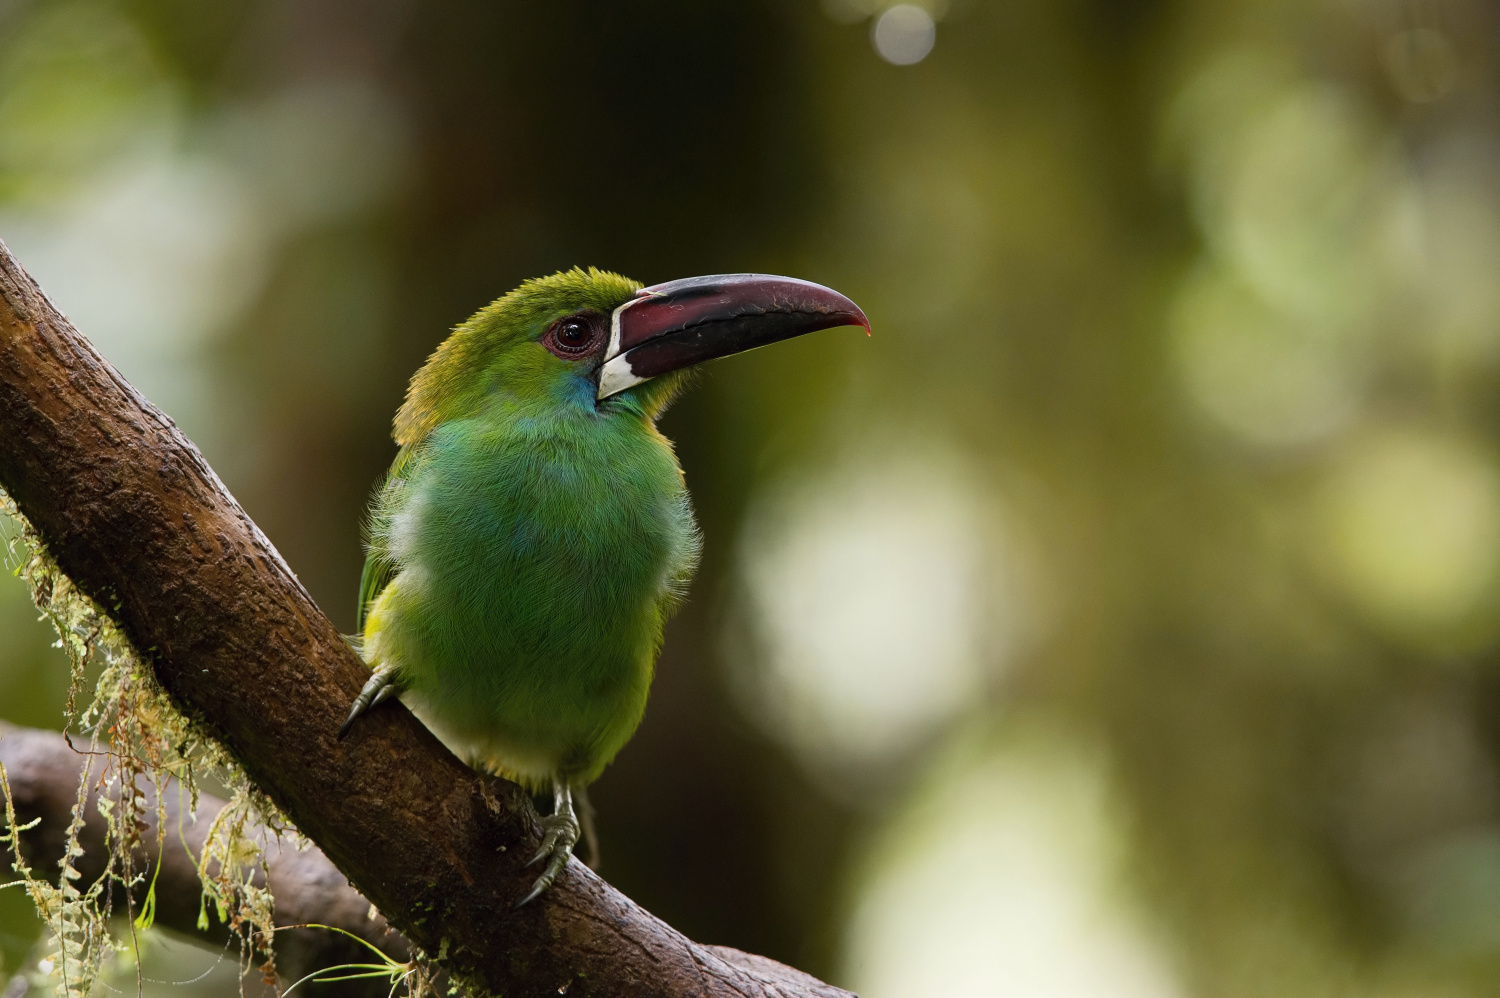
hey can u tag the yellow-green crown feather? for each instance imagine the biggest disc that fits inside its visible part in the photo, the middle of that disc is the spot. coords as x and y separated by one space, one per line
450 382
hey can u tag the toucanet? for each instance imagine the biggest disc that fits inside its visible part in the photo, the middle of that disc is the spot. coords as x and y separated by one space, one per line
535 533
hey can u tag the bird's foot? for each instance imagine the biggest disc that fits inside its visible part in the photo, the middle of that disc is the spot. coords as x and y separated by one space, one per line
560 833
381 685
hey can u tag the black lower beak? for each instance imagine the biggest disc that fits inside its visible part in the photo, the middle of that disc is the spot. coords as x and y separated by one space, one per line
681 323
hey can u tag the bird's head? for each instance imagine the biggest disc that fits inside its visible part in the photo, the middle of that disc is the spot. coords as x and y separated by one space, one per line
592 339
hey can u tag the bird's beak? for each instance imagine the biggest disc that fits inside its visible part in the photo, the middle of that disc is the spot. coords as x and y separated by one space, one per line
670 326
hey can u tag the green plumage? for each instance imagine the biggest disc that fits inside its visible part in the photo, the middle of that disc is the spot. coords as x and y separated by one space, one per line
529 542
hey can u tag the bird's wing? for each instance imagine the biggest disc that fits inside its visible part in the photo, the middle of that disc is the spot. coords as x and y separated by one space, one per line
379 570
380 567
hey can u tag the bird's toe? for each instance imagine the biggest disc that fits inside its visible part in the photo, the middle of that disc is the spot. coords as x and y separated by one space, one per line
381 685
560 835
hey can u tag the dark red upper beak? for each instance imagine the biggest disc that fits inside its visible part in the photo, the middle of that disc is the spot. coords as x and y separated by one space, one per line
681 323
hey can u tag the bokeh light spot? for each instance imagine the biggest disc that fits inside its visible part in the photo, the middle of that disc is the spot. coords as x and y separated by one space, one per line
1411 529
1300 190
1317 210
1271 378
1002 879
904 35
875 596
78 84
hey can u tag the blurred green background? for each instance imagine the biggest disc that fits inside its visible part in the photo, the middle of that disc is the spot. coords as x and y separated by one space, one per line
1121 619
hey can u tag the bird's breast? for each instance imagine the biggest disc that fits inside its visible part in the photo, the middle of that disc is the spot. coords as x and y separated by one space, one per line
565 544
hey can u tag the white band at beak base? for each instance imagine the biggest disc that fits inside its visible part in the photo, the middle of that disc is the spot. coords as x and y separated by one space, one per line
616 376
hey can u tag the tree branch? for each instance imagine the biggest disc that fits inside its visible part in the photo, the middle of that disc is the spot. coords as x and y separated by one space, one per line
140 522
44 770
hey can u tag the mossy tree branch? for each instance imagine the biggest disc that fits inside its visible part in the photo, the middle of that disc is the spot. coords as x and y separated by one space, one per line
134 515
43 771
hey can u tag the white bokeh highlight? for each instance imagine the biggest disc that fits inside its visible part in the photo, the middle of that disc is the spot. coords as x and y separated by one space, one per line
878 601
904 34
147 260
1003 880
160 249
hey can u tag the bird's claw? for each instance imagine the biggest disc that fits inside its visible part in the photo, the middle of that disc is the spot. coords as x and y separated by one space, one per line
380 686
561 832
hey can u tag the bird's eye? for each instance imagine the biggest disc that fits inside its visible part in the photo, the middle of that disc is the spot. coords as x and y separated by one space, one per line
574 335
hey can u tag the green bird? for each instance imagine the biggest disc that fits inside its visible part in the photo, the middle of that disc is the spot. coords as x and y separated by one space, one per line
535 533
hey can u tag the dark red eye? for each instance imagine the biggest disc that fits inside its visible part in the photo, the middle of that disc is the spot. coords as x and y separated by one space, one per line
574 335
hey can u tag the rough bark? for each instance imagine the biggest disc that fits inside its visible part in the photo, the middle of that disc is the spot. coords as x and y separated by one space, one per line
43 771
135 516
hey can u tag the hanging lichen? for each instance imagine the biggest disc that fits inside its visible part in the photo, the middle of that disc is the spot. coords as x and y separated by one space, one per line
136 739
